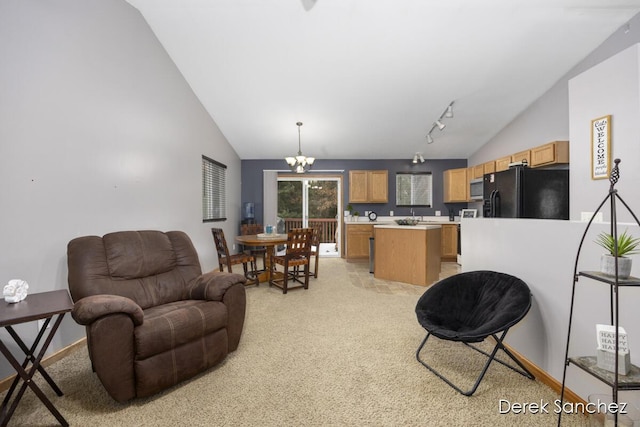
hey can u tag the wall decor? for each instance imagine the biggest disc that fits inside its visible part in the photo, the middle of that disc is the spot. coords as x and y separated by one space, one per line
601 147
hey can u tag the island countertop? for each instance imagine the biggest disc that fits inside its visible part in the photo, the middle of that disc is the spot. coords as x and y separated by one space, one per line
409 227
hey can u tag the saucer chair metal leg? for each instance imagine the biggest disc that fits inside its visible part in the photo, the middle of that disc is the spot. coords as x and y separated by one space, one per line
525 372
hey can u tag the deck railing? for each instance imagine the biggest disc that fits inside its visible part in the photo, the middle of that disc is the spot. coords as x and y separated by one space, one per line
326 226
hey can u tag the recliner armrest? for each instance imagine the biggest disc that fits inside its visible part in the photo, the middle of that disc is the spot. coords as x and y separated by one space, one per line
213 285
91 308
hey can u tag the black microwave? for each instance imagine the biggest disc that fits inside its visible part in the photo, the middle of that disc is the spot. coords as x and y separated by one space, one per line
476 189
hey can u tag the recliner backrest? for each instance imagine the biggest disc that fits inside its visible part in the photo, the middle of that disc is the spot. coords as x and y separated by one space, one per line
149 267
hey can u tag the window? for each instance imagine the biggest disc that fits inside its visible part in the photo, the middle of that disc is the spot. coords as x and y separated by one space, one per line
214 203
414 189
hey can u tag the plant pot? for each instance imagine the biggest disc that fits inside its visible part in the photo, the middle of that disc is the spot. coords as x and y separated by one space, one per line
608 266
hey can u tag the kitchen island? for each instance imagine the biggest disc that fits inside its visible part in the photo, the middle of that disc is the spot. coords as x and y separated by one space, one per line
409 254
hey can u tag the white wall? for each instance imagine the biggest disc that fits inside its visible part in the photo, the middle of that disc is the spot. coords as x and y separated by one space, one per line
611 87
99 132
543 252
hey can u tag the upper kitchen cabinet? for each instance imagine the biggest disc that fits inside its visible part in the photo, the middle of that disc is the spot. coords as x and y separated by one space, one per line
368 186
489 167
523 156
556 152
476 172
502 164
456 185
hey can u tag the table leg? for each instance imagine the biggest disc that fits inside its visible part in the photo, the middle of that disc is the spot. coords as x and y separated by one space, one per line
273 274
27 376
30 354
265 275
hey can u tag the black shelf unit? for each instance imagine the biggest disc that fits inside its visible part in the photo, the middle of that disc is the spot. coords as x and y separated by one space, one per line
588 364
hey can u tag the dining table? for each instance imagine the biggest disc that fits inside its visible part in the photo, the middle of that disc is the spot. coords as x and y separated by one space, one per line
269 241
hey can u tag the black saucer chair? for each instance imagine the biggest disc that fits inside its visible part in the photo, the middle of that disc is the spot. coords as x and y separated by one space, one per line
470 307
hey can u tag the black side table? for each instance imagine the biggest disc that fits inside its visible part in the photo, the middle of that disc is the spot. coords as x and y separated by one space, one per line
38 306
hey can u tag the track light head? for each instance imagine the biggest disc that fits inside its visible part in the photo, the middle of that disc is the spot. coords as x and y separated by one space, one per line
440 125
449 112
415 158
429 139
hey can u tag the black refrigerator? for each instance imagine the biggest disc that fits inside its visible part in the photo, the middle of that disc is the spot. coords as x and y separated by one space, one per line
522 192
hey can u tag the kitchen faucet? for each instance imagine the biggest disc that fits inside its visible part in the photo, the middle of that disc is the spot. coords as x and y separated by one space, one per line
413 214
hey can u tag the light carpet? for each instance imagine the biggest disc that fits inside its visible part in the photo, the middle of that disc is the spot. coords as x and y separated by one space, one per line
337 354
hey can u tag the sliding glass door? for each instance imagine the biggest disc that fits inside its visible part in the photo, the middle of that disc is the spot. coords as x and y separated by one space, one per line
312 202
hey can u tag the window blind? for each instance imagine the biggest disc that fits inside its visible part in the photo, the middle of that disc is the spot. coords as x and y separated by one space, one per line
414 189
214 199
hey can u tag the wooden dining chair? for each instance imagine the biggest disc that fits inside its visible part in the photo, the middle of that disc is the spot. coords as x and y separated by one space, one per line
225 258
315 251
297 255
256 251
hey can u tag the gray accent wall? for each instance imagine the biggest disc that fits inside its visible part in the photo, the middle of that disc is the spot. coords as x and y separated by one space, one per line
252 182
99 132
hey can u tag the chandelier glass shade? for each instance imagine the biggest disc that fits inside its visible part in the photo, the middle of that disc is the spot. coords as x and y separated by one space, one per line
299 163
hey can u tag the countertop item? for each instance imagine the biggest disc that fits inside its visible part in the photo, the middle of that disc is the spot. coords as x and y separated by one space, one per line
407 221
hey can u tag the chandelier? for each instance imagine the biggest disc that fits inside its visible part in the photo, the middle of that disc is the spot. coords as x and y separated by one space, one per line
300 163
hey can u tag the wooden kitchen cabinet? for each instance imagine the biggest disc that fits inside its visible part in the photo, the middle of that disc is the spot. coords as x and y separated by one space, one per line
521 157
358 241
449 243
556 152
378 186
368 186
478 171
502 164
489 167
456 185
358 192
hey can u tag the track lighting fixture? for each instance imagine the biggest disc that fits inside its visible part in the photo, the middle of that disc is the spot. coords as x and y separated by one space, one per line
418 158
447 113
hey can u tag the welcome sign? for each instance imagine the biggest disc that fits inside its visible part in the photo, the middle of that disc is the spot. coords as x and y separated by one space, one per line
601 147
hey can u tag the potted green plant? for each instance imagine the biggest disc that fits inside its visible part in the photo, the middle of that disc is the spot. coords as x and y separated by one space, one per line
626 245
350 209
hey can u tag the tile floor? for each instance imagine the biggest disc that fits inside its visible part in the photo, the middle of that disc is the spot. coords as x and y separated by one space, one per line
359 276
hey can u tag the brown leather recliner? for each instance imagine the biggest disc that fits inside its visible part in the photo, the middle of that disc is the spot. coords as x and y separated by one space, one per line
152 318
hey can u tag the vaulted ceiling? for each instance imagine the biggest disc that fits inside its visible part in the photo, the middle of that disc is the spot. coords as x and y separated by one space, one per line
368 78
